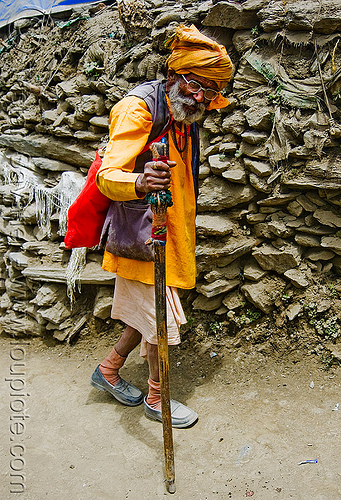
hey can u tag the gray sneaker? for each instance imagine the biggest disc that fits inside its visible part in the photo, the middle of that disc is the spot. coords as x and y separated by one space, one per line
124 392
182 416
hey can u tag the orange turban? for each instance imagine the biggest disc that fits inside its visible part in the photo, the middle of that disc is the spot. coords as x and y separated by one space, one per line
193 52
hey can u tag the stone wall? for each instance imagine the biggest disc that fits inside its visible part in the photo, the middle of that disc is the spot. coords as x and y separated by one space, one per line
269 221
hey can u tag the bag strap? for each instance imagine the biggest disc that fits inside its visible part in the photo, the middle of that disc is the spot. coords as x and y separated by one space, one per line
158 139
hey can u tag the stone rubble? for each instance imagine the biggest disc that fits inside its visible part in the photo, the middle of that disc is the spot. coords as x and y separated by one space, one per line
268 218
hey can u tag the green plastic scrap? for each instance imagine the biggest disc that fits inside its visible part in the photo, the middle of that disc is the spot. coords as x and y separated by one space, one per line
66 24
263 67
287 90
298 101
8 44
266 70
92 67
114 34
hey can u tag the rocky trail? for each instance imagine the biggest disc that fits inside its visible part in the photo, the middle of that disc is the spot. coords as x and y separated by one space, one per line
259 418
268 224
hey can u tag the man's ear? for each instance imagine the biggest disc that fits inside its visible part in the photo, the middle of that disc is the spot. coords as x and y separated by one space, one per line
171 76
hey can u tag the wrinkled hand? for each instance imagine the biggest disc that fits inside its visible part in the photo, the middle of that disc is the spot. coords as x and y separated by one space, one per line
156 176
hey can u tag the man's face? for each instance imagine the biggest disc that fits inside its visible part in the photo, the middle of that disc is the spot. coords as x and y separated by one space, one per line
187 106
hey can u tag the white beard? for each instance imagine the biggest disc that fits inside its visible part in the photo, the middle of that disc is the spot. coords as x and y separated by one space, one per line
177 101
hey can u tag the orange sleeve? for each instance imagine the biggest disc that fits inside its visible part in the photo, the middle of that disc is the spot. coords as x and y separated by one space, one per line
130 126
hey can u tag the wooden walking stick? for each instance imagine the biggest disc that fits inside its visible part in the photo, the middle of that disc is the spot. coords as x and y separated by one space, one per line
159 201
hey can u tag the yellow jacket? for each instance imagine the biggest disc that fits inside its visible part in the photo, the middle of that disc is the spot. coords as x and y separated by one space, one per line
130 125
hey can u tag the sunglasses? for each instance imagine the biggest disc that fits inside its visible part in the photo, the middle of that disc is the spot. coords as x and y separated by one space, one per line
195 87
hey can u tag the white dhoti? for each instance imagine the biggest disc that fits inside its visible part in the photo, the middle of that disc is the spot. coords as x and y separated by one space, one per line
134 304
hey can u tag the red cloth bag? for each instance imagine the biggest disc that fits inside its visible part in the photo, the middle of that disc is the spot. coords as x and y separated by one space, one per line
87 213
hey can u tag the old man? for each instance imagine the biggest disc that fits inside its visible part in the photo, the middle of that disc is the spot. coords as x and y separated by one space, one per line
198 69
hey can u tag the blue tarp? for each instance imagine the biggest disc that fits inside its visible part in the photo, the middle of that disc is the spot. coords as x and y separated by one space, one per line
11 10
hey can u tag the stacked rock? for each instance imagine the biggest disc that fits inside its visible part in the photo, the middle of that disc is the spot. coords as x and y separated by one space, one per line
269 222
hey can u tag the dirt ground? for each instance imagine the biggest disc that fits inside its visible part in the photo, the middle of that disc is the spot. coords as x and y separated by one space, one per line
259 417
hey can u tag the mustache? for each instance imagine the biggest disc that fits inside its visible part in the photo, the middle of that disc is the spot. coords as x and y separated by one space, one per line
177 102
